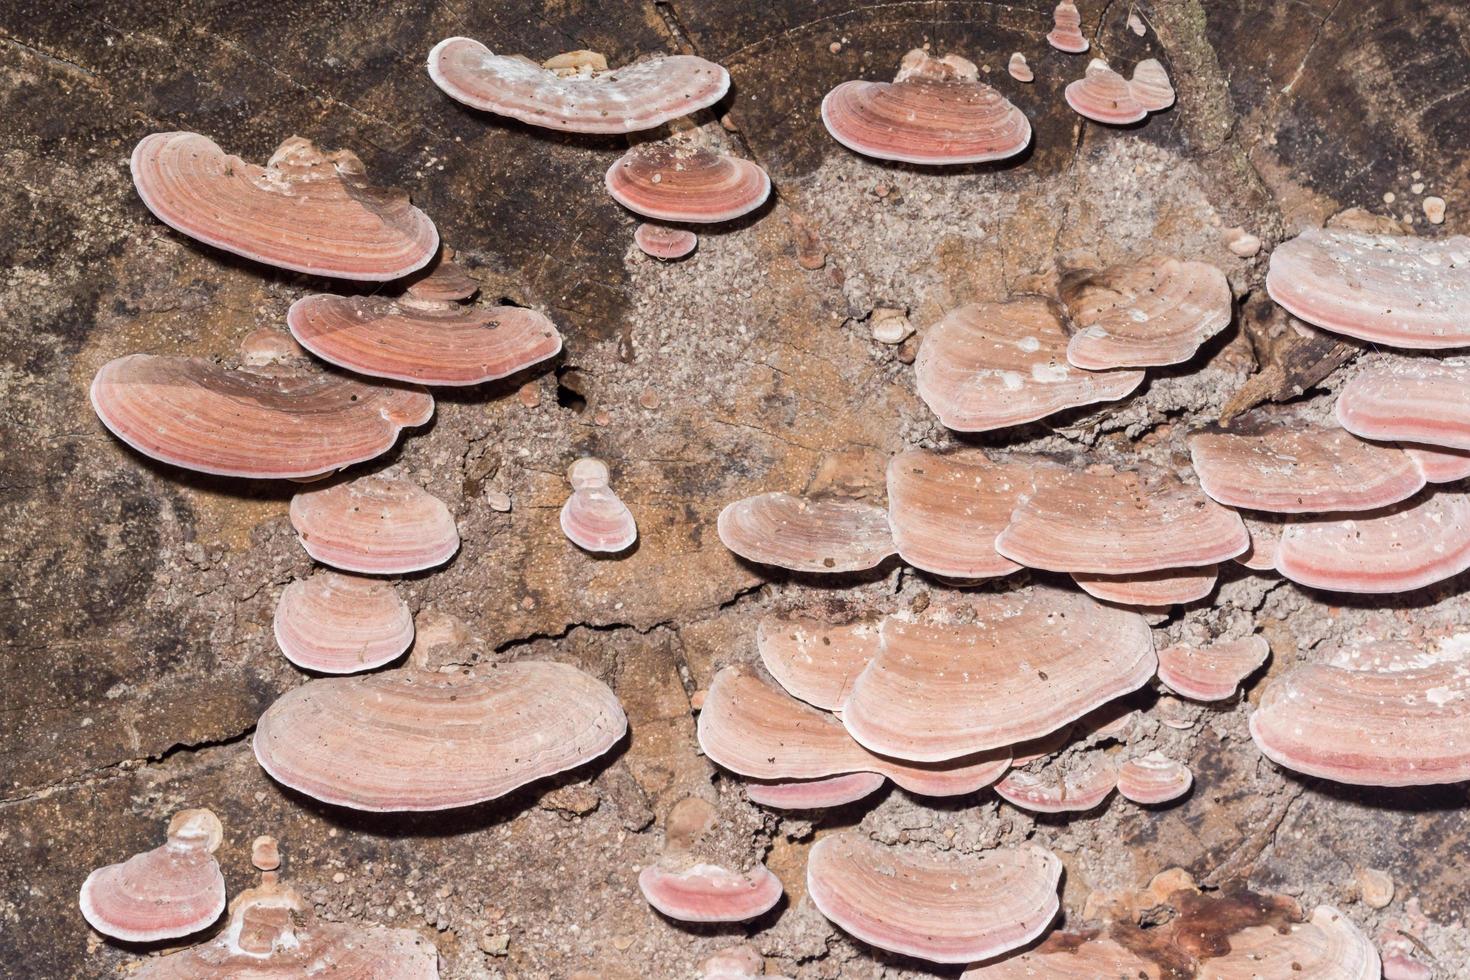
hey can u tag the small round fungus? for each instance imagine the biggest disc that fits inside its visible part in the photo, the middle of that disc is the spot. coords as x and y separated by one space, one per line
815 661
1212 672
673 182
1104 96
1056 789
1066 31
594 518
710 893
814 794
1150 85
663 242
1150 590
1018 68
340 624
1153 779
171 891
375 525
807 535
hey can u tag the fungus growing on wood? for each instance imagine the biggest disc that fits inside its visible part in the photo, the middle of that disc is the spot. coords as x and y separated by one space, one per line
1150 85
936 111
989 365
1265 539
1029 663
1069 956
663 242
1293 467
945 909
1066 31
710 893
1389 289
674 182
1150 590
815 661
305 210
1419 401
594 518
1327 945
814 794
341 624
1379 714
1018 68
171 891
375 525
1104 96
1058 789
1213 671
1400 549
265 853
635 97
1156 311
1153 779
362 742
1440 465
807 534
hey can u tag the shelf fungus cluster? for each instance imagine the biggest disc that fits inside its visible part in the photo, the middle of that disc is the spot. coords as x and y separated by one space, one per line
1104 96
174 890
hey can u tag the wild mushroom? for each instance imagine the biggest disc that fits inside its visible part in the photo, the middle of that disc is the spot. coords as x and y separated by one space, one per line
676 182
1150 590
1104 96
991 365
663 242
936 111
594 518
1150 85
635 97
816 661
1019 69
1069 956
1265 539
341 624
1066 31
1440 465
944 909
1420 401
1327 945
1059 789
814 794
1402 548
1156 311
825 534
375 525
710 893
171 891
1389 289
1153 779
305 210
1213 671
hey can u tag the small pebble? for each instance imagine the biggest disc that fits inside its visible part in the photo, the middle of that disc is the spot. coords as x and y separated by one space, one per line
498 501
1388 198
890 326
649 399
1434 210
529 394
1416 188
1375 886
602 417
835 47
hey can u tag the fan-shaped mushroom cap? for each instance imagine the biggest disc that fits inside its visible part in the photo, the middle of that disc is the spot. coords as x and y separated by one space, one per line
1066 31
1028 664
990 365
1440 465
265 853
305 210
1328 946
710 893
1299 468
1139 314
365 742
805 534
375 525
1420 401
629 99
596 519
1390 289
1153 779
751 728
1212 672
1120 522
447 282
1150 85
1400 549
1018 68
340 624
588 473
1104 96
1265 539
936 111
1150 590
815 794
275 421
1382 714
663 242
671 182
815 661
428 342
1069 956
947 909
1053 791
170 891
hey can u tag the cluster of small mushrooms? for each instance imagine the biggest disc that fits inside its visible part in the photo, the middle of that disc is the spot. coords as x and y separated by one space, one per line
1030 676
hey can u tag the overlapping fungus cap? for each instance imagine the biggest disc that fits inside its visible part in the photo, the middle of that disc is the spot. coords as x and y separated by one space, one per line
363 742
1389 289
1265 539
1150 85
1326 945
936 111
1027 664
1066 31
629 99
594 518
1420 400
1376 714
1291 466
942 908
341 624
1059 789
1213 671
1440 465
990 365
1069 956
1150 590
813 660
1405 547
171 891
1153 779
1120 522
750 728
305 210
1104 96
663 242
824 534
814 794
677 182
1139 314
375 525
271 419
709 892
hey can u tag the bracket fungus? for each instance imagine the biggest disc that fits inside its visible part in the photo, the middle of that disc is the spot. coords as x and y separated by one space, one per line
375 525
171 891
710 893
1019 69
944 909
815 794
594 518
990 365
1069 956
1418 401
1153 312
341 624
672 182
815 661
276 420
1104 96
1379 714
1389 289
1265 539
1153 779
1440 465
1212 672
1066 30
1029 663
825 535
305 210
1150 85
1405 547
1058 789
635 97
663 242
1150 590
363 742
936 111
